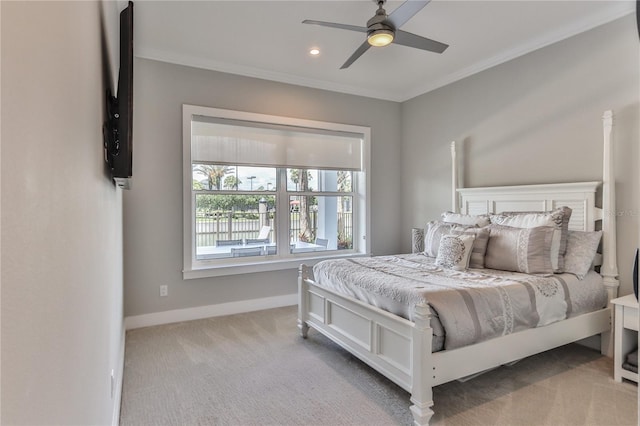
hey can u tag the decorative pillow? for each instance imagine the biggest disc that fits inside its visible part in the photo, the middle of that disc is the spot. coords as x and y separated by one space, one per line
479 244
466 219
455 251
433 232
520 249
581 250
558 219
417 240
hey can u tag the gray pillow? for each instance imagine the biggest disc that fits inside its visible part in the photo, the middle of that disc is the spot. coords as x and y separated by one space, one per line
520 249
479 244
581 250
557 218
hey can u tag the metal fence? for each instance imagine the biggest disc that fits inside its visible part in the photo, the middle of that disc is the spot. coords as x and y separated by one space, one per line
228 225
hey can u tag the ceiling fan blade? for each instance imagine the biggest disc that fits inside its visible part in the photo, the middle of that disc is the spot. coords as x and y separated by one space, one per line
359 51
405 11
336 25
411 40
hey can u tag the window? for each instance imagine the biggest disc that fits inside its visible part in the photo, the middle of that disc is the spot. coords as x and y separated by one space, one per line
265 193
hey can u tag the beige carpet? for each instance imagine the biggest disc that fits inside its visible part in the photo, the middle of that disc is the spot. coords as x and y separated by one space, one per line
254 369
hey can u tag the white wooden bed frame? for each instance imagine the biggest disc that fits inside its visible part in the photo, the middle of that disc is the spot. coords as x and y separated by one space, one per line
401 349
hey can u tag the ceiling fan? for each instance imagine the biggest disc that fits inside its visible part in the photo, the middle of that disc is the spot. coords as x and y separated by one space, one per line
383 29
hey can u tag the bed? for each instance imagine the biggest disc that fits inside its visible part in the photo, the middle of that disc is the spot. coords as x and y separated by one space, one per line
402 346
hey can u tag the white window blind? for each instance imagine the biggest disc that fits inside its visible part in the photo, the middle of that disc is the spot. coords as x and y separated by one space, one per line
227 141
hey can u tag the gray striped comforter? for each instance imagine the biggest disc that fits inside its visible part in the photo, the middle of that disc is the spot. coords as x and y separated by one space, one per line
468 306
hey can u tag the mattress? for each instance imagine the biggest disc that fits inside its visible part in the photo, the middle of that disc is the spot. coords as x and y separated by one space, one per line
467 306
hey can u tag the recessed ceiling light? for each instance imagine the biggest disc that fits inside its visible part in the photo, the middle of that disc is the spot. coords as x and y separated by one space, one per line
314 52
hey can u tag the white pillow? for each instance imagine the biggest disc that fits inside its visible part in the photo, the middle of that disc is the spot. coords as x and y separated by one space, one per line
433 232
455 251
466 219
581 250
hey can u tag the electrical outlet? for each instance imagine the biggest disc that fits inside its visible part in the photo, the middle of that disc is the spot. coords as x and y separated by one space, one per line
164 290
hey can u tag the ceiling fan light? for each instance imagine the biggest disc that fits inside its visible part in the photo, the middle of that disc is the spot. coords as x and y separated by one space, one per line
380 38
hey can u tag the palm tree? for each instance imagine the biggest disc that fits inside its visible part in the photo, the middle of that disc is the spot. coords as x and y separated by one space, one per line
214 174
294 175
344 181
302 177
231 182
306 233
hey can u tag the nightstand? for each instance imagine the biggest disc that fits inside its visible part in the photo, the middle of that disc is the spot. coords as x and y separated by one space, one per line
625 335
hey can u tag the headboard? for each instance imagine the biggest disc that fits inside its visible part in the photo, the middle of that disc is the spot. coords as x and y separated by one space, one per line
579 196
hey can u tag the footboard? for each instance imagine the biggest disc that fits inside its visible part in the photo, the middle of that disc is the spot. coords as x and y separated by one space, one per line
397 348
379 338
401 350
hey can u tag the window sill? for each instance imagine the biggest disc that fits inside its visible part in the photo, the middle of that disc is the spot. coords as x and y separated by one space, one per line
260 266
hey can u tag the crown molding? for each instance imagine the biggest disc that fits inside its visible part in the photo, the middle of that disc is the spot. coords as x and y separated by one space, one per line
192 61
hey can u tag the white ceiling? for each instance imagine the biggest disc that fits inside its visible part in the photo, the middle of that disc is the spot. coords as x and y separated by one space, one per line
266 39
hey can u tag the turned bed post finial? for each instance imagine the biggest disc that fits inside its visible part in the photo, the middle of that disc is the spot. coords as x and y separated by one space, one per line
609 269
454 179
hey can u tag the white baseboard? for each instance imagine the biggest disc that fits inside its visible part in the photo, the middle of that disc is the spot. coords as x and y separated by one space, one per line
200 312
119 375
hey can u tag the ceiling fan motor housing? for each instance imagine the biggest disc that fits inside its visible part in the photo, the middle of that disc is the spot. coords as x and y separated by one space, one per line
379 21
379 31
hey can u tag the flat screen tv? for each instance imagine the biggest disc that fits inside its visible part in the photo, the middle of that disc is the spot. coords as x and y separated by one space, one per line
635 273
638 16
118 128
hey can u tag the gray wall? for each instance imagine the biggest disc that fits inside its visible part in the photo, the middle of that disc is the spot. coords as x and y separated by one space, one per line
535 119
61 306
153 208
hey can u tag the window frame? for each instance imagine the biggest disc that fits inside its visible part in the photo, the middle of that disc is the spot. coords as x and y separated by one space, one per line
193 268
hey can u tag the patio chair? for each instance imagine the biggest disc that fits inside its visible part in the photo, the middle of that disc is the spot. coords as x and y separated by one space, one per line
228 243
322 242
246 251
257 241
264 232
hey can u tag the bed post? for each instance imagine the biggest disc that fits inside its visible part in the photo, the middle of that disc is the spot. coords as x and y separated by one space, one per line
421 376
454 179
609 268
303 309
